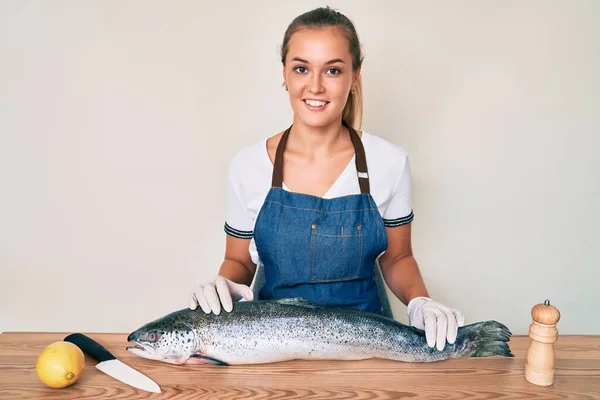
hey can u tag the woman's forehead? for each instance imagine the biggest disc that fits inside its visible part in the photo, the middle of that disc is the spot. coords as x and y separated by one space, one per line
319 45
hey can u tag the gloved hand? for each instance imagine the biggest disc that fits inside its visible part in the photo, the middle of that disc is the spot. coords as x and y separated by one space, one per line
439 321
212 294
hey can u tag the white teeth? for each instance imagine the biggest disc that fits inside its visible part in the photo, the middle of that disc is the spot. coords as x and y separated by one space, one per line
315 103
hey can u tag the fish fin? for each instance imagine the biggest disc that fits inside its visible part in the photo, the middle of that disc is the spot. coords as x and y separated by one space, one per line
490 338
297 301
200 359
292 300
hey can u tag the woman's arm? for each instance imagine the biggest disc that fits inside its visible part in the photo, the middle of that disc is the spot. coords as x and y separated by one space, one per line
238 265
399 267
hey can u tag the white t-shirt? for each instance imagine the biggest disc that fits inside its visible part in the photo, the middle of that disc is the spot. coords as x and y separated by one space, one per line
251 170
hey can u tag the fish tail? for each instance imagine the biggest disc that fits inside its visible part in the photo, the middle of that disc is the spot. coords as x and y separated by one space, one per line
485 339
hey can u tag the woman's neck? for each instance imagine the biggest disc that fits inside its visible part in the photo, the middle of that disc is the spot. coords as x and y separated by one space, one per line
317 142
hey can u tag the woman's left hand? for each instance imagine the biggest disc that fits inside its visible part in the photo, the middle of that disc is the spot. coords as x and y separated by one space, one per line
439 321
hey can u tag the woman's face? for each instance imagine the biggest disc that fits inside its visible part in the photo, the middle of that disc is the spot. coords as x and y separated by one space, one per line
319 76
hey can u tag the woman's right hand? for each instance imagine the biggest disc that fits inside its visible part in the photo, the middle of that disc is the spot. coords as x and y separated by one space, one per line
219 291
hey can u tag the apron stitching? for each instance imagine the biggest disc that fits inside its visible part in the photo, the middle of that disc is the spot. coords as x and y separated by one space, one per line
321 211
343 236
349 278
360 250
341 272
311 255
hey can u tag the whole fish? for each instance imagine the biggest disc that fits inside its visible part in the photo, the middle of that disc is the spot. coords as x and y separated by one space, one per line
266 331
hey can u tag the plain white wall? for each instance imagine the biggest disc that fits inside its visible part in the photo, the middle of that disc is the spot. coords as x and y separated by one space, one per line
118 119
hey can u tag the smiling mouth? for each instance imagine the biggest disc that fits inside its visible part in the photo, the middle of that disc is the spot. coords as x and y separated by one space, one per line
315 104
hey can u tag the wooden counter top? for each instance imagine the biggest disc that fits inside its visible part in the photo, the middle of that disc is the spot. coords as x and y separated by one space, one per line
577 375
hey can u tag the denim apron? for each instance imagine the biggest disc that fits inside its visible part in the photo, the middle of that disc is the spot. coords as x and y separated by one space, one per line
322 250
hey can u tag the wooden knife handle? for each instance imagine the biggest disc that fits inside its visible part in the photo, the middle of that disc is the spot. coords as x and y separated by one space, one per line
90 347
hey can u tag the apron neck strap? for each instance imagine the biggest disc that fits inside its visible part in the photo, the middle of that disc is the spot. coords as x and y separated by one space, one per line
360 160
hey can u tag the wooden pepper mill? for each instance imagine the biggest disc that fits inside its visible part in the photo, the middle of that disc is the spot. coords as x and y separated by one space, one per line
539 367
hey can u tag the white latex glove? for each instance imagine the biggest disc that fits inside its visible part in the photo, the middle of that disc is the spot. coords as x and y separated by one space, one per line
219 291
439 321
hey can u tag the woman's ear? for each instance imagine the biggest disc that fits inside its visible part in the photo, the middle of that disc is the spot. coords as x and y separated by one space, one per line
356 77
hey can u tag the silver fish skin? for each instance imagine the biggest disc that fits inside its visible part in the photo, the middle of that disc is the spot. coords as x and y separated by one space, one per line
266 331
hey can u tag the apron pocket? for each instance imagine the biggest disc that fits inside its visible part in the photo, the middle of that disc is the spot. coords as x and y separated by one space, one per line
335 252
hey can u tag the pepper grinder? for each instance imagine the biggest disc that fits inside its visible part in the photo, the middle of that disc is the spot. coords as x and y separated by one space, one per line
539 367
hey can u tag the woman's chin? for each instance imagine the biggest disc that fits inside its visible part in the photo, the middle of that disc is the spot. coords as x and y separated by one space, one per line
317 121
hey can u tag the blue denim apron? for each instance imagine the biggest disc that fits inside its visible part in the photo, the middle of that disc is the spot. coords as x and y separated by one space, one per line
323 250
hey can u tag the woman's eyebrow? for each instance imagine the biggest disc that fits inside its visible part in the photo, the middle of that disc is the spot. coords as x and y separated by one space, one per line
335 60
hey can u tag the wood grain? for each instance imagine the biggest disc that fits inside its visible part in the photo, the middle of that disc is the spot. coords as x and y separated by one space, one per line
577 376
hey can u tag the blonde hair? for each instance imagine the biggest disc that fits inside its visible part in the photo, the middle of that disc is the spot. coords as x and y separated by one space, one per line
325 17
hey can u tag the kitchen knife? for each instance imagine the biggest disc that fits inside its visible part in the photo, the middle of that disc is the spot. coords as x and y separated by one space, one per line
109 364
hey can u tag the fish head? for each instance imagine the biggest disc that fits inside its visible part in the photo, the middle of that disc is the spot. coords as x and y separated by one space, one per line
168 339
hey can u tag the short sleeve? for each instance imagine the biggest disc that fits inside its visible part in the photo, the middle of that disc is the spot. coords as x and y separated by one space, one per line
399 210
238 221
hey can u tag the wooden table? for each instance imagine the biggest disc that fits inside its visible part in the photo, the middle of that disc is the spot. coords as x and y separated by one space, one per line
577 376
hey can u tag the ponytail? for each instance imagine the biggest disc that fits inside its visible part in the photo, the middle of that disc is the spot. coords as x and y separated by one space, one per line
353 110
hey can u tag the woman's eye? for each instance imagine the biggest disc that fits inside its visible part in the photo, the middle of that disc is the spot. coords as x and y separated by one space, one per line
300 69
334 71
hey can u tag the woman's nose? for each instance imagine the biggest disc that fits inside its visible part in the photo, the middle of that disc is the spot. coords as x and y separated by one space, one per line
316 84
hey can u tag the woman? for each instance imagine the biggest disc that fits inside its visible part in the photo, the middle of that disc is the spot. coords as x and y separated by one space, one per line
305 205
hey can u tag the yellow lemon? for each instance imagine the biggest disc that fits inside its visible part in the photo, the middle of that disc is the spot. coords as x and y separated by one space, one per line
60 364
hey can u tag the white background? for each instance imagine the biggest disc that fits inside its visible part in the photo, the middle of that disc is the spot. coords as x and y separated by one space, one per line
118 119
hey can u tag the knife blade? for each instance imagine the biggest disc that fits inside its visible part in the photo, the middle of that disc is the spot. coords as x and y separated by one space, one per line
109 364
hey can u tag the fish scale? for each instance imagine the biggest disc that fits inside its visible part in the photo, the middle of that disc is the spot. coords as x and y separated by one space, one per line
266 331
